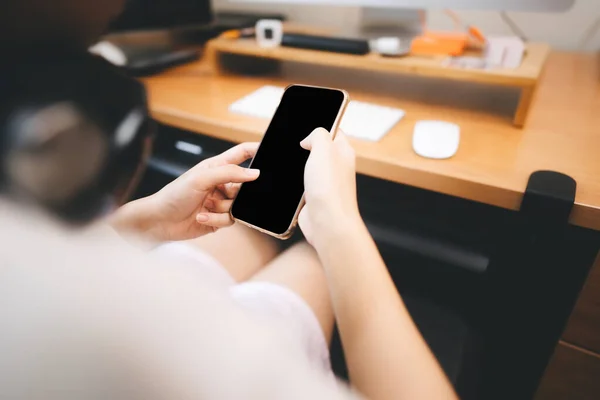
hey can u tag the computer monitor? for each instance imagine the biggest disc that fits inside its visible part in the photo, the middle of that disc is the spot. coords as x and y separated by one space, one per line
499 5
144 15
403 17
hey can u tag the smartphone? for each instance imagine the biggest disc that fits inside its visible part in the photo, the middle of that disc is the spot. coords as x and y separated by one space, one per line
273 202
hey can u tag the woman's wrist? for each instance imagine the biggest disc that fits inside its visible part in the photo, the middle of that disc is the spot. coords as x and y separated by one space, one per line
336 230
137 218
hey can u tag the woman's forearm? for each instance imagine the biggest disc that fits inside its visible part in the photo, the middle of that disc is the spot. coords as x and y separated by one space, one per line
387 356
135 221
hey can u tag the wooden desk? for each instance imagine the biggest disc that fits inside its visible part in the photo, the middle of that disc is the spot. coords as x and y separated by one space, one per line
494 160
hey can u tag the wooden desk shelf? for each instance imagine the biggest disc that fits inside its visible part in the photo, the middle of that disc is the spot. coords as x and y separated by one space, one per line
525 77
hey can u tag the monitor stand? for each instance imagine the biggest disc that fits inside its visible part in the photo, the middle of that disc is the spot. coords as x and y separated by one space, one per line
379 22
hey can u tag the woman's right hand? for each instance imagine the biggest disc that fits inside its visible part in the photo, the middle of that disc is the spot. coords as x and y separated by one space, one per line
330 187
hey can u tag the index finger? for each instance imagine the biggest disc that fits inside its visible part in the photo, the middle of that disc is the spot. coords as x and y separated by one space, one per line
213 177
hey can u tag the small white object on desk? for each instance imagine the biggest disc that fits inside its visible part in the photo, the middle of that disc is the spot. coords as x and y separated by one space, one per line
390 46
368 121
436 139
505 51
467 62
362 120
269 33
261 103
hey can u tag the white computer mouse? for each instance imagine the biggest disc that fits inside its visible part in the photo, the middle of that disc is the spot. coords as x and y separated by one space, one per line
110 52
436 139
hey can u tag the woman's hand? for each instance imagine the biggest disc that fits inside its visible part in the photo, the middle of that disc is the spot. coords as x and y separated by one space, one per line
356 275
196 203
330 187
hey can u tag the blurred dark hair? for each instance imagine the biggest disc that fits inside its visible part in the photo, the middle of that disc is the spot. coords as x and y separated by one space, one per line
38 25
74 132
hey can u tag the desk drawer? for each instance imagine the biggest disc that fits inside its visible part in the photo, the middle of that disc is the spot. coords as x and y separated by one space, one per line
185 148
583 328
175 151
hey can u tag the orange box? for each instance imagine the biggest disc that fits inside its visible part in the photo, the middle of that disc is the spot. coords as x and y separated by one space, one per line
440 43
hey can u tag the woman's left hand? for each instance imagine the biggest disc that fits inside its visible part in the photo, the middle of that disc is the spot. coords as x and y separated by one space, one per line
196 203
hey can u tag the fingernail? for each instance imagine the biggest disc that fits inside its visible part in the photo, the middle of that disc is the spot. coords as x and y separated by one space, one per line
202 218
252 172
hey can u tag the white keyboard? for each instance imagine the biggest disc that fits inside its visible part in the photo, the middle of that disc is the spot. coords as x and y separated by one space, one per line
362 120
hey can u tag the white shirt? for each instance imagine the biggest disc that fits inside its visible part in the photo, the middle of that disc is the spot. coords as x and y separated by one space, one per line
83 315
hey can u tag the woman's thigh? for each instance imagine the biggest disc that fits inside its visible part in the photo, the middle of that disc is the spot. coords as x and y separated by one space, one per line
240 250
300 270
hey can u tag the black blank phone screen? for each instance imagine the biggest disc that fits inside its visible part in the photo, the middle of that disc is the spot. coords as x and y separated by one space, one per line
271 201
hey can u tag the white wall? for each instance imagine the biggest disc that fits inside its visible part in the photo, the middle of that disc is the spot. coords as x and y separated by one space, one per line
319 15
563 31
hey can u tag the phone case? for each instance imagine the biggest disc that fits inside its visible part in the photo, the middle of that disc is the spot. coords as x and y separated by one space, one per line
289 232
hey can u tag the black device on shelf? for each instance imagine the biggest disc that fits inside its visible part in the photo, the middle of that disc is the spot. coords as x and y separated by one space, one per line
326 43
225 20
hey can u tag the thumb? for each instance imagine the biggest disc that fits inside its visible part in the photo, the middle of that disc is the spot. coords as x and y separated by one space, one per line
318 137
